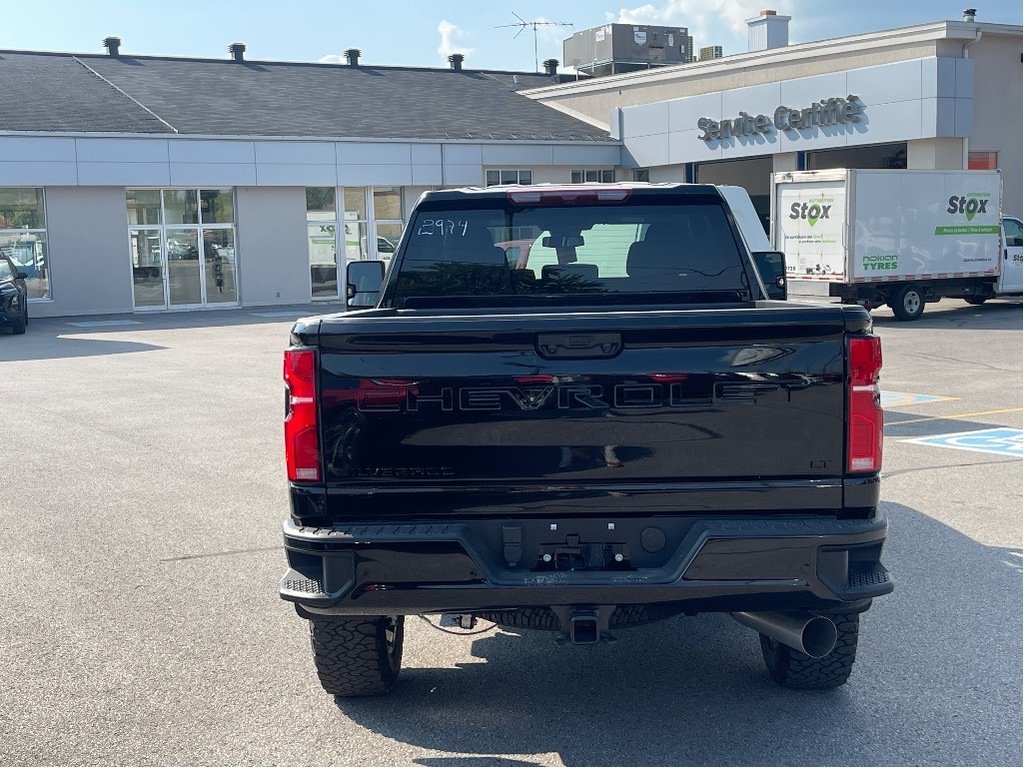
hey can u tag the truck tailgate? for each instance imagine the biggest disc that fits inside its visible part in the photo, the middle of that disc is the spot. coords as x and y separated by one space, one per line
650 411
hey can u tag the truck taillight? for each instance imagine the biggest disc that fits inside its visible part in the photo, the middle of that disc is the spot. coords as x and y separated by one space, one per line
301 444
865 428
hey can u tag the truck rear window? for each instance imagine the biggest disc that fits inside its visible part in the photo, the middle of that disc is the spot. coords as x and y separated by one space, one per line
492 248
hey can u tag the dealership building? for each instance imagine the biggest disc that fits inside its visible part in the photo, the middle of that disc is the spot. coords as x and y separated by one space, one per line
139 184
945 95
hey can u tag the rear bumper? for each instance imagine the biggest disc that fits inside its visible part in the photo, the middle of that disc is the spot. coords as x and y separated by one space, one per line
698 564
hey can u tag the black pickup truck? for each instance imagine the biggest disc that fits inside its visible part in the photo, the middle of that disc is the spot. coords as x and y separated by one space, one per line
608 424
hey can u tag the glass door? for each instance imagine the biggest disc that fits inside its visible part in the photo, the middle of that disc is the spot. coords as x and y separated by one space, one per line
182 245
147 268
219 266
184 284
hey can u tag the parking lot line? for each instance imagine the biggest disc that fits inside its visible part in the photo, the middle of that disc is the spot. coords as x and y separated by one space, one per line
955 416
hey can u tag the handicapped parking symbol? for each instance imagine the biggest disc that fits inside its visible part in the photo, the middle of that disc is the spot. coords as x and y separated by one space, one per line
999 440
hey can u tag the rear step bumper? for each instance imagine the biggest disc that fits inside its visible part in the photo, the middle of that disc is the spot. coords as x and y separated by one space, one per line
709 564
717 564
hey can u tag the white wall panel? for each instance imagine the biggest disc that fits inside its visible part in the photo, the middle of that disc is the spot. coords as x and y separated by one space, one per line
683 114
290 152
964 120
374 175
37 149
902 82
685 147
425 154
648 150
932 81
426 175
37 174
213 174
279 174
463 154
124 174
273 255
897 121
214 152
804 91
373 154
463 174
90 262
645 120
121 150
516 156
747 100
965 78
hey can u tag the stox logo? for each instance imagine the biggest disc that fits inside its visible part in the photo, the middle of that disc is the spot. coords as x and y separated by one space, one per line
968 205
812 213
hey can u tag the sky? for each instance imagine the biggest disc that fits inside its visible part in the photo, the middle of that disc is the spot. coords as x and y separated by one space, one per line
422 33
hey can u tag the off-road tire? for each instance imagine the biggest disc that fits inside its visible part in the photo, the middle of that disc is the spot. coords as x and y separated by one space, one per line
357 655
792 669
908 304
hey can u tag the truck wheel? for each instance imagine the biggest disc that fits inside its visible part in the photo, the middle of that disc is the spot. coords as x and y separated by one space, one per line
357 655
976 300
908 304
792 669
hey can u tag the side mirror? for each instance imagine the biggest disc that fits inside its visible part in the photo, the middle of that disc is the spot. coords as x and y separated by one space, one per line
772 266
363 280
21 275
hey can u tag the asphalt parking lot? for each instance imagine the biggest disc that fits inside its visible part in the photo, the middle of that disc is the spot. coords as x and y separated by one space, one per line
142 492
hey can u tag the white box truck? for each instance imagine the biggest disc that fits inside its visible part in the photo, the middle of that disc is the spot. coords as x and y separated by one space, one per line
897 237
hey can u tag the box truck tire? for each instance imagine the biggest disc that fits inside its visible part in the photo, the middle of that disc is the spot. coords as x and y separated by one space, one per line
908 303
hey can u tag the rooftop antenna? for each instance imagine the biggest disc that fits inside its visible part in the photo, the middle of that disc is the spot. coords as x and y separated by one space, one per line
523 25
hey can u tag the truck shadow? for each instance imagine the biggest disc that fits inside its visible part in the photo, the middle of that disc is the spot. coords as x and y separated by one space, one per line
992 316
938 680
57 347
908 425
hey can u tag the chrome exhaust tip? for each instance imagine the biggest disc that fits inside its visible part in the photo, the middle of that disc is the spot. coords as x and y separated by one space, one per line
812 635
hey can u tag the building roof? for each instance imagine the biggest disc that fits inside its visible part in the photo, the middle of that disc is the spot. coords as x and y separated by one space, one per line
63 92
769 58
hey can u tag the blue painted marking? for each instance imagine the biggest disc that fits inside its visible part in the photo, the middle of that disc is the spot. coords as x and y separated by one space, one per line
900 399
1003 441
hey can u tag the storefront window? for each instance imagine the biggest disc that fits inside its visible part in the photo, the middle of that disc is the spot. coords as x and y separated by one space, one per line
508 176
217 206
387 212
354 230
336 238
355 203
982 161
143 207
182 247
593 175
180 207
320 204
23 236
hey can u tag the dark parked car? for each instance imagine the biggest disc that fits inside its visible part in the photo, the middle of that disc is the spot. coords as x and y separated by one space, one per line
13 296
